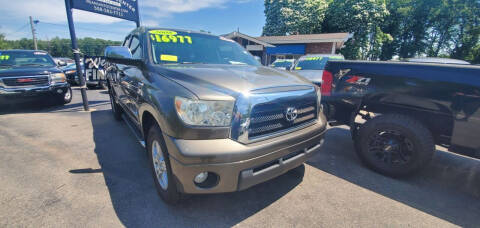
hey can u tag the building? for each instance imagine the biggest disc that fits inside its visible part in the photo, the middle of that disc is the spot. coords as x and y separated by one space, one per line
269 48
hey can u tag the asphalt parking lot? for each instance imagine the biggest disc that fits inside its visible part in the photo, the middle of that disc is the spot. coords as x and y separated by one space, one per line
61 167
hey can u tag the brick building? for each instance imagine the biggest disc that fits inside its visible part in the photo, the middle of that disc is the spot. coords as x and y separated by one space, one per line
269 48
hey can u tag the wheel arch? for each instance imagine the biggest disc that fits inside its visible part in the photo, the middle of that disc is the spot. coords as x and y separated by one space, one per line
148 116
439 124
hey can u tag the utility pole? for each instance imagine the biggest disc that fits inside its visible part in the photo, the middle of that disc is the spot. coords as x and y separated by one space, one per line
33 33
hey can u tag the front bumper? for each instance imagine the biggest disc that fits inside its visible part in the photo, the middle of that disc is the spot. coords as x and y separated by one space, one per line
6 94
240 166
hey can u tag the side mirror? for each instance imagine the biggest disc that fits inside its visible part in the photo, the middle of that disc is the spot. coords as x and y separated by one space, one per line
122 55
62 63
118 52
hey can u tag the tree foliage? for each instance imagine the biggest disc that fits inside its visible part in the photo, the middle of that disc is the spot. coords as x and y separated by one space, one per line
385 29
363 18
59 47
294 17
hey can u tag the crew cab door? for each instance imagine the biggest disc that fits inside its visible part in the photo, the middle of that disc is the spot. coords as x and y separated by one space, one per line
466 113
131 81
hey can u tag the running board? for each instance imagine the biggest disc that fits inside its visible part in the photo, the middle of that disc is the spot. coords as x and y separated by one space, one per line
133 130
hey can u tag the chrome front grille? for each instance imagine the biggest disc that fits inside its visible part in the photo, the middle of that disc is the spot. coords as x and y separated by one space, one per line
26 81
271 117
262 114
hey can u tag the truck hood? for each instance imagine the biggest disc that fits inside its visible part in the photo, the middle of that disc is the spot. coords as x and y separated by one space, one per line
27 71
208 81
312 75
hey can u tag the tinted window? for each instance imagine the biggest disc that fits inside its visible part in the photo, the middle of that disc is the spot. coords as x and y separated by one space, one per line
24 58
283 63
126 43
136 48
314 63
171 47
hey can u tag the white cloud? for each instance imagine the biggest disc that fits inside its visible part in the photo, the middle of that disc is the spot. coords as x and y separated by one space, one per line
180 6
54 10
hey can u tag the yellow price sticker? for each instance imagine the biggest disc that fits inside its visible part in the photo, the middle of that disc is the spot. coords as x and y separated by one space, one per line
163 32
171 39
167 36
313 58
336 57
4 57
169 58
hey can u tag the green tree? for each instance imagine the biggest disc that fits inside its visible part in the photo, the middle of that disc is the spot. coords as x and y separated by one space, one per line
293 16
467 32
408 23
363 18
475 55
59 47
3 43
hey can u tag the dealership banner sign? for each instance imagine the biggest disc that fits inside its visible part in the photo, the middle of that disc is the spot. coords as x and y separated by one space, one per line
125 9
95 68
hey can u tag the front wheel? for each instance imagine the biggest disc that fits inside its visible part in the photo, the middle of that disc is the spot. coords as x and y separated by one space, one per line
116 108
160 166
394 145
65 97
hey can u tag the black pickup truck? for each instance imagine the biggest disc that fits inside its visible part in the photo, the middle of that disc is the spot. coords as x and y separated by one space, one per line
31 75
211 117
398 112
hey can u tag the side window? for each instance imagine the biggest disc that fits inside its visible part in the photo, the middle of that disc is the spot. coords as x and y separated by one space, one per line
126 42
136 48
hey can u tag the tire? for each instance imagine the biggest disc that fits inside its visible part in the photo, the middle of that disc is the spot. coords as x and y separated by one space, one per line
91 87
102 85
160 167
116 108
64 98
394 145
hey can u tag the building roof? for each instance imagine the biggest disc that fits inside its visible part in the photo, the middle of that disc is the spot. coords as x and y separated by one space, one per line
310 38
253 39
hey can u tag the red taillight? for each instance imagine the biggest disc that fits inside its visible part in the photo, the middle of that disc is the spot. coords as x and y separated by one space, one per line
327 83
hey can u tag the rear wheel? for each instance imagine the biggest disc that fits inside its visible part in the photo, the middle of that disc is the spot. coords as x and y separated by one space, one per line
394 145
160 166
116 108
102 85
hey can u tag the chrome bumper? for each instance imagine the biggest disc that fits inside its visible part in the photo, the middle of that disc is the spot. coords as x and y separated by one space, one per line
30 90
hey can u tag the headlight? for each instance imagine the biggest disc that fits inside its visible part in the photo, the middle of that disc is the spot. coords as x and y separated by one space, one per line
58 77
70 71
204 113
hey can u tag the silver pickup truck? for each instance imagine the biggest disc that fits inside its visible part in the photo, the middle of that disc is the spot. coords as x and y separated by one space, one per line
212 118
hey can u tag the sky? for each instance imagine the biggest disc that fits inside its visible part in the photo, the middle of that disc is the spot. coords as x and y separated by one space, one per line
217 16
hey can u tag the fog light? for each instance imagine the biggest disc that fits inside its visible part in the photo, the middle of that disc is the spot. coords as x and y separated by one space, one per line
59 91
201 177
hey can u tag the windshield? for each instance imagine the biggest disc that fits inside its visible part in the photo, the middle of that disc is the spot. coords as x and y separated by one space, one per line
314 63
25 58
172 47
283 63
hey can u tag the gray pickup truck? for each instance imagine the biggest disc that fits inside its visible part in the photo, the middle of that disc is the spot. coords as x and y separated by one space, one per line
211 117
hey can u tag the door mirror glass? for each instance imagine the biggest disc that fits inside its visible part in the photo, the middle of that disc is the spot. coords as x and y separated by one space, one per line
118 52
62 63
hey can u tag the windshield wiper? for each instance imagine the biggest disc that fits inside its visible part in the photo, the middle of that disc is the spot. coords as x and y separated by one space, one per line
5 65
33 64
192 63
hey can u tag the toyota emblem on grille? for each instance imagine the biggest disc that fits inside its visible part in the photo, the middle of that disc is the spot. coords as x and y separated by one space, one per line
291 114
